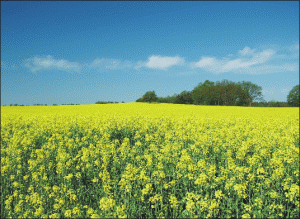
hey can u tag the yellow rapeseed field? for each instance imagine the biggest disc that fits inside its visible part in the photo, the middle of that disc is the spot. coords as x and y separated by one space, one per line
149 160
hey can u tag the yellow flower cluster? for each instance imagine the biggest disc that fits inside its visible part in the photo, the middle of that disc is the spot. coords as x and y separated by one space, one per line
149 160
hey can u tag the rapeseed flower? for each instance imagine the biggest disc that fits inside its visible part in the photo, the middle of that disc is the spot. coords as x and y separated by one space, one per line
107 204
173 201
135 154
68 213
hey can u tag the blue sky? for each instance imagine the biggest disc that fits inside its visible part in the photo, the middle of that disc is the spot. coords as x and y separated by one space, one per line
83 52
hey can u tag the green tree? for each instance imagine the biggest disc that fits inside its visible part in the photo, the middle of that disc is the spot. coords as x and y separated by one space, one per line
272 103
217 93
230 94
197 95
170 99
293 97
201 93
253 90
149 96
188 98
226 92
160 99
184 98
242 96
208 88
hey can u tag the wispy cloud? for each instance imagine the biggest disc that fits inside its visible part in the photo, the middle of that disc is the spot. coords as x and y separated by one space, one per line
246 51
110 64
161 62
268 69
36 64
294 48
248 62
245 61
205 61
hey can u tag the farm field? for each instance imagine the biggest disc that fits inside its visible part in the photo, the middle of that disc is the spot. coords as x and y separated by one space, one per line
149 160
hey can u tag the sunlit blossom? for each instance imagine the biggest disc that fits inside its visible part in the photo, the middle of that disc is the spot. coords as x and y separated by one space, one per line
160 160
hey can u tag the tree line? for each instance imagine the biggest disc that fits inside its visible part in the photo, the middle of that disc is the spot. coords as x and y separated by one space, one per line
224 93
40 104
54 104
106 102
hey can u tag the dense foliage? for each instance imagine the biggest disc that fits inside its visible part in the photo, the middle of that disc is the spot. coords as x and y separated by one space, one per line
224 93
149 96
149 160
293 97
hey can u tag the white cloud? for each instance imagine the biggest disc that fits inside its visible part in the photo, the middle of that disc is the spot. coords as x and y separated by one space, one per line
294 51
111 64
205 61
246 51
294 48
263 56
210 64
247 60
235 64
268 69
161 62
37 64
140 64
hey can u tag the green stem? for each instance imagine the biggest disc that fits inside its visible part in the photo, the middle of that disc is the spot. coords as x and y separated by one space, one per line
237 208
161 203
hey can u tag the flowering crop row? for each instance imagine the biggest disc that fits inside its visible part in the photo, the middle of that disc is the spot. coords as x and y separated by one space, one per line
145 160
